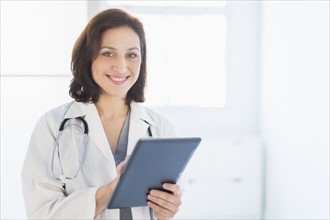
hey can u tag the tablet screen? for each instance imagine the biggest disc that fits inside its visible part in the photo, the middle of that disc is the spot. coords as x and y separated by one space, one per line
153 162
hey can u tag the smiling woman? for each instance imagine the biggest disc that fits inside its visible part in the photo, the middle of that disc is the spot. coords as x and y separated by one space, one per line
109 73
107 50
119 61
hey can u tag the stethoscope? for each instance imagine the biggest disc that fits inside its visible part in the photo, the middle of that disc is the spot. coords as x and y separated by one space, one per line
56 146
81 161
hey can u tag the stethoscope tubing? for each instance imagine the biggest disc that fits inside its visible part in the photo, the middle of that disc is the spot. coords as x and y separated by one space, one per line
56 146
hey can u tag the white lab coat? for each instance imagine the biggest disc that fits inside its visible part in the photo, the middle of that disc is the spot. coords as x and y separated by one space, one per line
44 195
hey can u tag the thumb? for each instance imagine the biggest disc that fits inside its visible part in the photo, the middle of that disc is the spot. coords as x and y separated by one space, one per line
122 165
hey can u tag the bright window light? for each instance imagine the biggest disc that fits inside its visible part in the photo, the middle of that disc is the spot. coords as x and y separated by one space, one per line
186 52
176 3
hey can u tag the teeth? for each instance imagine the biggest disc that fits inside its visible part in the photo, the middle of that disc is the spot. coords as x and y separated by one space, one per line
117 79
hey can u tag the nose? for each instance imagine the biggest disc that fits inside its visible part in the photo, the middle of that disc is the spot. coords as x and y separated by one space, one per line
119 65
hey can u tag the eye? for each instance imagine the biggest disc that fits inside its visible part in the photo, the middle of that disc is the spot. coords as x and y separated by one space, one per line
108 54
132 55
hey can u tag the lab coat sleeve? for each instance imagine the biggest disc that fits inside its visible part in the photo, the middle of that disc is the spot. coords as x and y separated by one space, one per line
43 195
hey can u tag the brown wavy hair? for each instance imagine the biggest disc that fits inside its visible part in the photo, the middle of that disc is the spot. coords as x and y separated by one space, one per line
83 88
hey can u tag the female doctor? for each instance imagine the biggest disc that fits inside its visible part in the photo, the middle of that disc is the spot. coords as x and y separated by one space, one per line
77 151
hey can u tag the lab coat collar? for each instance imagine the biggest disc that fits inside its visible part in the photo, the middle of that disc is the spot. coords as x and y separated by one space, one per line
139 124
140 120
138 111
80 109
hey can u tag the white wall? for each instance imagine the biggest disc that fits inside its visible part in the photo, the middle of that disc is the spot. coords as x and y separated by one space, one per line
295 108
36 43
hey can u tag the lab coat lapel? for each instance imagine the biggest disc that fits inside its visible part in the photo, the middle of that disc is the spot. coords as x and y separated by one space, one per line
139 124
96 131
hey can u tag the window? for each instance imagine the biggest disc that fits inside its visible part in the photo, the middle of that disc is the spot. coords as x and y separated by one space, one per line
186 43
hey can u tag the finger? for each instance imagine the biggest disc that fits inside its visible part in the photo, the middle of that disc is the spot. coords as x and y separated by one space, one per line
169 201
160 212
173 188
164 203
169 197
121 166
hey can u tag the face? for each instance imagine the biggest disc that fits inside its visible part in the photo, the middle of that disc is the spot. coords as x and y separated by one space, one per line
117 65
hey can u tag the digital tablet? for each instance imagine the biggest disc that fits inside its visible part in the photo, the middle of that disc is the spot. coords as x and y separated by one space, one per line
153 161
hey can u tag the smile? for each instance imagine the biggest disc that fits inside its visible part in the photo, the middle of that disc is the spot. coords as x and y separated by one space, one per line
118 79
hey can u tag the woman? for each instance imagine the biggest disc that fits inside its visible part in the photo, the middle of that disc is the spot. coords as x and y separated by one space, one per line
109 75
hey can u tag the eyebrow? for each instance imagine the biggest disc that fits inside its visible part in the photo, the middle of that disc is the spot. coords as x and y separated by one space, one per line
112 48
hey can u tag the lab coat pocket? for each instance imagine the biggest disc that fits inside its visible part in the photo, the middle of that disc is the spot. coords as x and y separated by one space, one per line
49 186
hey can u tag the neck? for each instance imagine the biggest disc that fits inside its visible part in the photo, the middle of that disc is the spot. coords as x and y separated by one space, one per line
110 107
